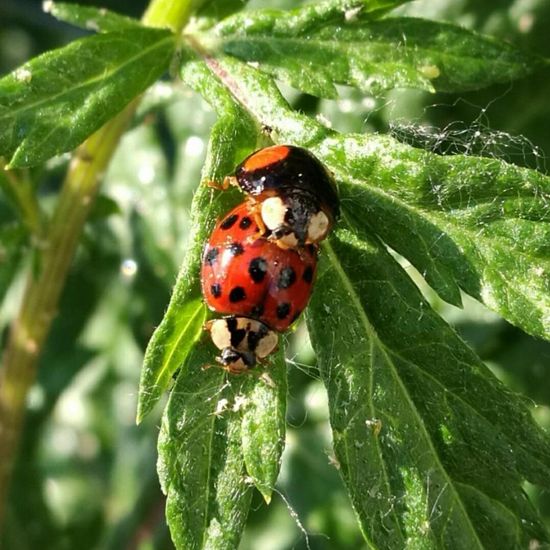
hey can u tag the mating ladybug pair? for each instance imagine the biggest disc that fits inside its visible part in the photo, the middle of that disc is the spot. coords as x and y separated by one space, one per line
259 264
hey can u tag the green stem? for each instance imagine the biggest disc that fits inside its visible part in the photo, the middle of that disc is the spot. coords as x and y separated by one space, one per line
39 306
168 13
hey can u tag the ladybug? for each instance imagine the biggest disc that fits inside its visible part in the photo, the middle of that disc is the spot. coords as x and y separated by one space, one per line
295 196
252 279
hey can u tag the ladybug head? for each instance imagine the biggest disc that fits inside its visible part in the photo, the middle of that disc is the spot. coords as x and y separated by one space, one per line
242 342
236 362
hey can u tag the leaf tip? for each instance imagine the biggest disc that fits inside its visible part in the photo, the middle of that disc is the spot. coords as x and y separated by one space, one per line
266 492
144 407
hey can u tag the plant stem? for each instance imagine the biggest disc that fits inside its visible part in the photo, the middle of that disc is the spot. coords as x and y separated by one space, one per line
168 13
39 306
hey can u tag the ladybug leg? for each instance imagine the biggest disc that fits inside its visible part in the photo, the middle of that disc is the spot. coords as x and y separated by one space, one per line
230 180
224 185
255 209
232 368
215 185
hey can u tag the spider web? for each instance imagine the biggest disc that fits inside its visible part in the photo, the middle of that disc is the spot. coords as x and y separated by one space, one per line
476 138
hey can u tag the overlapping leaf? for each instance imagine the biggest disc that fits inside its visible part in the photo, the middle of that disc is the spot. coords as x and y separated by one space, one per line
475 223
52 103
422 429
314 48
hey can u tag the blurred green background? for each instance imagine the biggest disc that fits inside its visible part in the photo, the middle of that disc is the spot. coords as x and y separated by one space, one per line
85 477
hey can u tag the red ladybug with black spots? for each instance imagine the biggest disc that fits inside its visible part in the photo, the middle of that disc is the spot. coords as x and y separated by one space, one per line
261 286
294 196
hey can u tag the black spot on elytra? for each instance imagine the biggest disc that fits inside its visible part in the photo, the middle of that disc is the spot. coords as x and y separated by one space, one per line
211 256
257 269
308 274
287 277
237 294
229 221
216 290
245 222
283 310
235 249
257 311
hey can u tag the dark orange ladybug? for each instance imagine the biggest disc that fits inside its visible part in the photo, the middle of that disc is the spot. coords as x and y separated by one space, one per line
296 197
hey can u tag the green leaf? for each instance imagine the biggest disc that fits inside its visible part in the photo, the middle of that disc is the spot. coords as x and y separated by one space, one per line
201 466
218 433
233 136
433 449
90 18
473 223
53 102
314 49
264 424
171 342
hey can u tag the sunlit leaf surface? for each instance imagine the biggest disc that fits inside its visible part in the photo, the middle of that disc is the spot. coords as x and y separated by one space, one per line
53 102
313 53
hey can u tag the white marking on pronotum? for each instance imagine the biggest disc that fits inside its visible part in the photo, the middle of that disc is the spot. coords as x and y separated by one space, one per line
273 212
317 227
220 334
